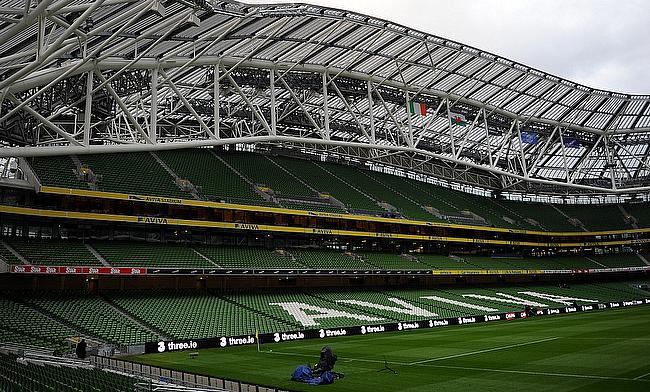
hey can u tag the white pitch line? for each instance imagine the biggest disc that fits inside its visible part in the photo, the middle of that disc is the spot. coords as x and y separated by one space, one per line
482 351
342 358
570 375
533 373
643 376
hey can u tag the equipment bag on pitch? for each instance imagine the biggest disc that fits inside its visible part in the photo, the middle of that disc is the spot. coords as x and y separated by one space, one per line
304 374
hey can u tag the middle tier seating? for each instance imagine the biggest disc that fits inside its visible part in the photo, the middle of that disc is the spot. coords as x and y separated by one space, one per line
148 254
172 255
53 252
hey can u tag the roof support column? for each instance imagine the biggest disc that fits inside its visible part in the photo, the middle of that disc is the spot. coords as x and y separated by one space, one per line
521 149
217 104
564 158
408 117
451 132
371 114
326 111
487 138
88 108
273 109
153 120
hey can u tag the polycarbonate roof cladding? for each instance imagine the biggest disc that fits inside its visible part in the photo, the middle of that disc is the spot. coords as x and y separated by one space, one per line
339 39
120 43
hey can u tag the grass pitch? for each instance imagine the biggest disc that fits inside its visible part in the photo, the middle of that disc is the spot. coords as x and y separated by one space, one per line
598 351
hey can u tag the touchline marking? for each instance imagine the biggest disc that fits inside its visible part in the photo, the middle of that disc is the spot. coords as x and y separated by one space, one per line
533 373
612 338
342 358
643 376
483 351
590 376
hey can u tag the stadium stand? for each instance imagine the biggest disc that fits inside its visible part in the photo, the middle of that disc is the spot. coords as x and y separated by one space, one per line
246 257
310 206
53 252
18 376
296 184
618 260
172 255
131 317
185 315
639 213
444 262
393 261
8 256
21 323
325 259
57 171
273 176
609 217
379 192
216 180
149 254
324 181
132 173
92 316
546 215
401 185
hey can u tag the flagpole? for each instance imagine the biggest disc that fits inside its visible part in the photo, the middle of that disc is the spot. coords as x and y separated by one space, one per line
408 114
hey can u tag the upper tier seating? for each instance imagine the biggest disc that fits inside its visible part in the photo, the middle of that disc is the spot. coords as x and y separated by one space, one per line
133 173
546 215
379 192
640 212
361 191
216 180
608 217
57 171
323 181
404 185
261 170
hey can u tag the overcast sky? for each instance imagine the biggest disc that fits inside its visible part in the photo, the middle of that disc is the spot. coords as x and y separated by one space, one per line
601 43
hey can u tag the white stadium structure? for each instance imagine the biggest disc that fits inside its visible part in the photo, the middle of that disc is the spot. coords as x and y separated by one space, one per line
141 75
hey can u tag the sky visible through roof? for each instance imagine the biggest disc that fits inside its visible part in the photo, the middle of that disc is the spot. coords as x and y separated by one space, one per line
603 44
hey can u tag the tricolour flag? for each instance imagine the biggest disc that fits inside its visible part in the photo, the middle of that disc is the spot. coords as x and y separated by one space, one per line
458 119
417 108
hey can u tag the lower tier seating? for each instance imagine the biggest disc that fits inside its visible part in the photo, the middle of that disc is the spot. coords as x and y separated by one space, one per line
94 317
28 377
127 318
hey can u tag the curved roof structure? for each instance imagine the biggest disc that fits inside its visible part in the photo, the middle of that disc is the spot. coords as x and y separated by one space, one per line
113 75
